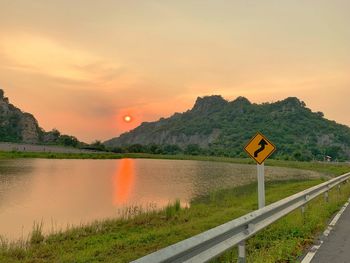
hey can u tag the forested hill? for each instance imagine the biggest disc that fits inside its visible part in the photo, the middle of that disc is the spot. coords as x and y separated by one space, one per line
215 126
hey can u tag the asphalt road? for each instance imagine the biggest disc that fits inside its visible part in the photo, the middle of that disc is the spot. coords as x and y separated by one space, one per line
336 247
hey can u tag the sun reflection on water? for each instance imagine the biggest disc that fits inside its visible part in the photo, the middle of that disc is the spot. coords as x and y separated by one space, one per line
123 181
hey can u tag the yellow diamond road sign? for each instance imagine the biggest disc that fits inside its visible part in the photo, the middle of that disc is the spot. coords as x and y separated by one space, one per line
259 148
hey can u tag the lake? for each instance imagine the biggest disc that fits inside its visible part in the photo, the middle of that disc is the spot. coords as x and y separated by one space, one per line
71 192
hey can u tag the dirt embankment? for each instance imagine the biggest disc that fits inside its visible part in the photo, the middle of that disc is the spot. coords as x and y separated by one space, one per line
7 147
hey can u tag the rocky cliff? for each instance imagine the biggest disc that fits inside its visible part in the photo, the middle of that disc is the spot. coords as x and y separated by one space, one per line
15 125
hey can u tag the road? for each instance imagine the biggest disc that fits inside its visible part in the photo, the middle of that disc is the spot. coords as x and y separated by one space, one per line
336 246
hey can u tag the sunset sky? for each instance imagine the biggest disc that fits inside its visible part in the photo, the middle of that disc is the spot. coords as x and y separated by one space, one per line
81 66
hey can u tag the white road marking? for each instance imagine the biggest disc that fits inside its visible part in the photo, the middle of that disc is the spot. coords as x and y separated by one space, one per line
314 248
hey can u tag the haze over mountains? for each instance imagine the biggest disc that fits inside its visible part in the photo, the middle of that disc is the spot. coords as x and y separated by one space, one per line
216 126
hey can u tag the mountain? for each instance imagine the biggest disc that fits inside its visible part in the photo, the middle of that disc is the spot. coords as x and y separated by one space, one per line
19 126
216 126
16 125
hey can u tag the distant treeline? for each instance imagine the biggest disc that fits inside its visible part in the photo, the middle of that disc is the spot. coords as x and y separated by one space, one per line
285 151
282 153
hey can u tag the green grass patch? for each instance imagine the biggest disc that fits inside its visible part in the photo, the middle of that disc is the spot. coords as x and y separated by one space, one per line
122 240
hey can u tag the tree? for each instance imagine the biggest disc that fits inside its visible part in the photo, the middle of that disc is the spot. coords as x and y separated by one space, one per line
155 149
171 149
193 149
136 148
97 145
67 140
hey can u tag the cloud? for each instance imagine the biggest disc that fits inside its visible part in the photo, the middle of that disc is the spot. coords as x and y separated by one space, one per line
44 56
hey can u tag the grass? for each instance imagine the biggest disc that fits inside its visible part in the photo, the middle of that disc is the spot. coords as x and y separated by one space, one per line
37 236
122 240
172 209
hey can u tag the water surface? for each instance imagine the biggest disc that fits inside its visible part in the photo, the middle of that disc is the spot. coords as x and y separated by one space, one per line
66 192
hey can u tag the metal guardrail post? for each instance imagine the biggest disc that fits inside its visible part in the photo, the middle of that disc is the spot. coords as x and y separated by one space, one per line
303 207
241 252
326 196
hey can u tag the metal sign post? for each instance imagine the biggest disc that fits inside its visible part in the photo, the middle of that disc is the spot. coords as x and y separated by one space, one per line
261 185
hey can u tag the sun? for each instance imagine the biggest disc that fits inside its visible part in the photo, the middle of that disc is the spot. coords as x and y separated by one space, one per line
127 118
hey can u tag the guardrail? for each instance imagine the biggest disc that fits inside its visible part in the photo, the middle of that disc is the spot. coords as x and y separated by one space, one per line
212 243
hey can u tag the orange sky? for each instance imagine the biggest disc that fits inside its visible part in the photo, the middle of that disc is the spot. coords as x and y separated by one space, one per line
81 66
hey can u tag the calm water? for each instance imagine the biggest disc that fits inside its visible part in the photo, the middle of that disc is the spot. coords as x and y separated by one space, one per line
62 192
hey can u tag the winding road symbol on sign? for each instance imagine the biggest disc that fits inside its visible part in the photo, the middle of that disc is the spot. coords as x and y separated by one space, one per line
259 148
262 144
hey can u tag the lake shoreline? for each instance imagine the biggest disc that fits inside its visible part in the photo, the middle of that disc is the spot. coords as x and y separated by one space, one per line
330 168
